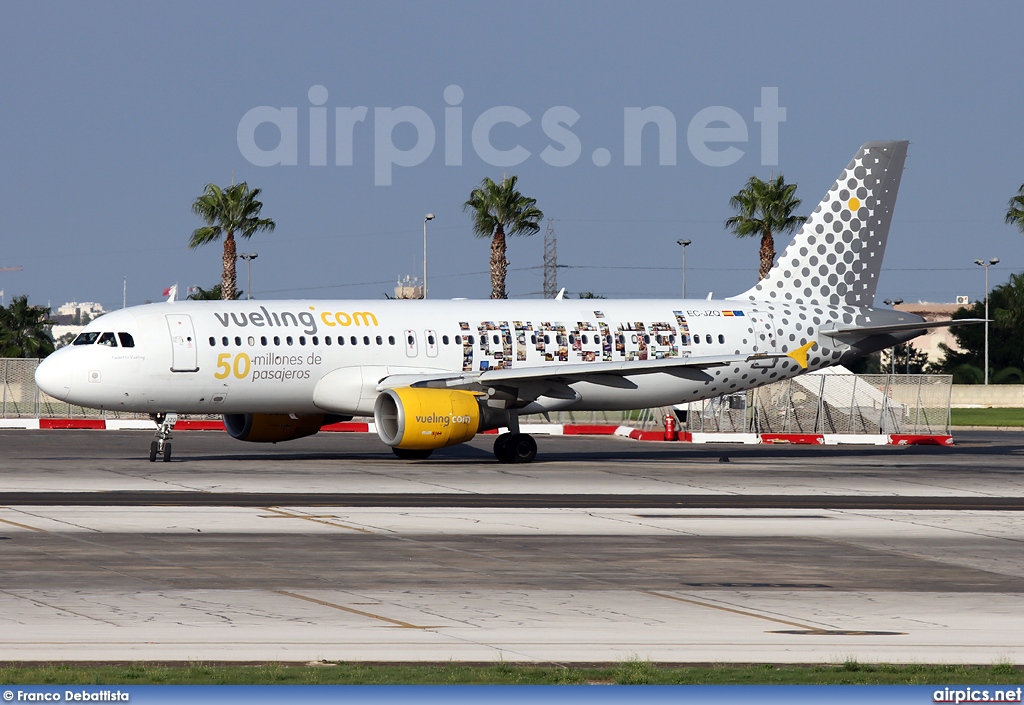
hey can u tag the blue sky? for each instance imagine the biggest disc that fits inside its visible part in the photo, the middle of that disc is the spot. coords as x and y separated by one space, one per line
115 115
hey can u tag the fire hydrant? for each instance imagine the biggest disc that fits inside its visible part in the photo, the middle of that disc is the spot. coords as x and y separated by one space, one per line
670 427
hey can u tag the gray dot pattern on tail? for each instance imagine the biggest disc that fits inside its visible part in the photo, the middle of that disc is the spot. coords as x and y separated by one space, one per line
836 257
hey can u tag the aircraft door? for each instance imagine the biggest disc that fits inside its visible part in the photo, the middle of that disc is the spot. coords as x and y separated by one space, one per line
430 341
411 348
184 357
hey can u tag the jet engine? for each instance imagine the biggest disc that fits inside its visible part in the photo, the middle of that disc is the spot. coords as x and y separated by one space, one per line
273 428
416 419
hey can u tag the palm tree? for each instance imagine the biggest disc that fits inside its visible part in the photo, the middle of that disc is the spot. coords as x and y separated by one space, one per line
228 212
1015 212
765 208
198 293
499 210
24 330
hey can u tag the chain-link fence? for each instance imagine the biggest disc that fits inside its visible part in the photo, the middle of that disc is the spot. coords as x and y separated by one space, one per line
815 403
831 404
22 399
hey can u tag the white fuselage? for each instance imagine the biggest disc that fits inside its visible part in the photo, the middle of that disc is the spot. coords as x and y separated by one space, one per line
269 356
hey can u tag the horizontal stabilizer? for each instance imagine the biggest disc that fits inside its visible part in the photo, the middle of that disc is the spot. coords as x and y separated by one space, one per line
857 332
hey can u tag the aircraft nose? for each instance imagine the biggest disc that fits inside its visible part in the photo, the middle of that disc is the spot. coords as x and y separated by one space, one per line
54 378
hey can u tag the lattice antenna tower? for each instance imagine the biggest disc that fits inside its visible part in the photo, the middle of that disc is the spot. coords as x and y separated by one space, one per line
550 262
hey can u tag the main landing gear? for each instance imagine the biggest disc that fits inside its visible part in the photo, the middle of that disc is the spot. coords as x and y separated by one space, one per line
515 448
162 445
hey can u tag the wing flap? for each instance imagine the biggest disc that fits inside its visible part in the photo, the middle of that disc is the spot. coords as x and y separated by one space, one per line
600 372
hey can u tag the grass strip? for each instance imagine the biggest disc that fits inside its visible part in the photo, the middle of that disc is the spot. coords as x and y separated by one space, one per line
631 672
987 417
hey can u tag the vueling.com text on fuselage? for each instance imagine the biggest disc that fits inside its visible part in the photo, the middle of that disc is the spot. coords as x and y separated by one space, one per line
309 320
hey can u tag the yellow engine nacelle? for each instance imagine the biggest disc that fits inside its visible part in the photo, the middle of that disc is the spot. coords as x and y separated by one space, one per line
272 428
424 419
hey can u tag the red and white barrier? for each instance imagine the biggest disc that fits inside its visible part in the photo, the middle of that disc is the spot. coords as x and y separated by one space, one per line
899 439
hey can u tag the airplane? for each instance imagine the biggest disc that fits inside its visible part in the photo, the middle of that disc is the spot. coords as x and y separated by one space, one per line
436 373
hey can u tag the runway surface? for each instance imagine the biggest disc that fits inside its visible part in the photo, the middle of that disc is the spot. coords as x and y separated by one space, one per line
606 549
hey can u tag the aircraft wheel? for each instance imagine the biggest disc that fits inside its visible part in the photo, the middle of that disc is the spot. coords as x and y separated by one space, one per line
523 447
411 453
517 448
499 446
167 451
152 451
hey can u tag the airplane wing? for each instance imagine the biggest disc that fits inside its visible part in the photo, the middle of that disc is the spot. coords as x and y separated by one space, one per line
599 372
857 332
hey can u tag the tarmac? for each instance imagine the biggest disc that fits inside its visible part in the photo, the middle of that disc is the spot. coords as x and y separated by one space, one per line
329 548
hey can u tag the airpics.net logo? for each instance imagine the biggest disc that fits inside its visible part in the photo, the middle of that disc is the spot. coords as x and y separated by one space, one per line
716 136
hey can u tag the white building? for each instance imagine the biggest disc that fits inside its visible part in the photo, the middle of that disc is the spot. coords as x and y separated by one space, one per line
87 307
929 342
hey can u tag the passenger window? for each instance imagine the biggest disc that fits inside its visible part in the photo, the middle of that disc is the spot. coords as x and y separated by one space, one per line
430 339
721 339
707 339
547 339
533 338
224 341
302 340
277 340
213 341
353 340
86 338
108 340
444 339
380 340
288 340
366 340
496 339
316 340
251 341
391 340
327 339
263 340
341 340
458 340
470 338
696 339
238 341
410 340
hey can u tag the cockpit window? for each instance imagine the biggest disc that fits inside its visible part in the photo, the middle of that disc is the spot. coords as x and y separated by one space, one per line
86 338
127 341
107 339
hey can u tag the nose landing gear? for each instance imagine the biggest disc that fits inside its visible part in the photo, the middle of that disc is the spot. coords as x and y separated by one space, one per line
162 445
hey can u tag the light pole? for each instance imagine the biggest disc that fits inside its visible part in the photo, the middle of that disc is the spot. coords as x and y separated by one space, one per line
683 244
248 257
986 265
892 355
428 216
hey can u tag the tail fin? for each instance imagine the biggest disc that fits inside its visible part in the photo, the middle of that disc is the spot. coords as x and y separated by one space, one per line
836 257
